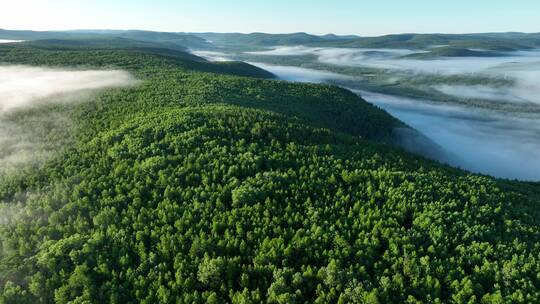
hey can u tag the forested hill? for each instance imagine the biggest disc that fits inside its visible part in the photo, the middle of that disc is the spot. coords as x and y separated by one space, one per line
199 185
118 53
500 42
175 40
503 42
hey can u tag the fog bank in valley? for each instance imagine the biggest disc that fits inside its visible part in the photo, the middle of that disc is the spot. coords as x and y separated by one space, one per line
212 55
25 130
499 145
297 74
487 142
521 66
9 41
22 86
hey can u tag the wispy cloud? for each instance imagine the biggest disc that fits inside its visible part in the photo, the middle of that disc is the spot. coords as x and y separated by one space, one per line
10 41
24 139
22 86
211 55
297 74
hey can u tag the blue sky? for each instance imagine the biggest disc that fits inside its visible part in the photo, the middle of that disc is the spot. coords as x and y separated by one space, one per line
276 16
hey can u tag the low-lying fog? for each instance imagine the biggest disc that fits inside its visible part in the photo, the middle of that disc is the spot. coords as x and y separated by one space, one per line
522 66
211 55
22 87
9 41
291 73
490 142
483 142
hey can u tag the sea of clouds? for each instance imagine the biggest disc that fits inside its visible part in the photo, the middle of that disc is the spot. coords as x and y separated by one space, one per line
522 66
502 145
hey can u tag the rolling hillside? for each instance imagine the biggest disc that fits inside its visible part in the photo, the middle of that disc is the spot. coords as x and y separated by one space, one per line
176 40
214 41
212 183
496 42
264 39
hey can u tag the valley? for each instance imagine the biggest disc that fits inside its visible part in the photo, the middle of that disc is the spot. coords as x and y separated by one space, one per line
147 167
483 111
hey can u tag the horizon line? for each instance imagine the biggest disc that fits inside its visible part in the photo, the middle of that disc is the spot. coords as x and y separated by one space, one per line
274 33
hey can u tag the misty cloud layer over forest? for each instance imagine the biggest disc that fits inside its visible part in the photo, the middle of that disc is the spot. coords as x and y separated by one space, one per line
9 41
522 66
23 86
490 141
26 92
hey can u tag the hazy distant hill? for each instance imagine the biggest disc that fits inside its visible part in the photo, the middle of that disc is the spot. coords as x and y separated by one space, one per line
493 41
263 39
488 41
174 39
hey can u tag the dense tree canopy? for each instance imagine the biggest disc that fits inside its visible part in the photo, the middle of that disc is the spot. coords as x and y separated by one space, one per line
199 187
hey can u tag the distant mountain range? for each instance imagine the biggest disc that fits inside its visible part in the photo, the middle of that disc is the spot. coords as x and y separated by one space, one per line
510 41
170 40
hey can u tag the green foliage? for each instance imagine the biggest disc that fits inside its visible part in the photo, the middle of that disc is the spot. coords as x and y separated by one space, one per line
196 187
145 60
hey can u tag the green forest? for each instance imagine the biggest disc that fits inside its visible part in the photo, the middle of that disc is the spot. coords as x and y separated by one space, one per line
214 183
